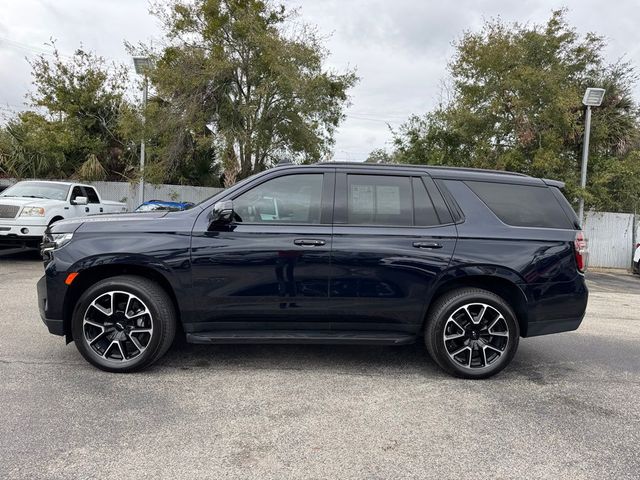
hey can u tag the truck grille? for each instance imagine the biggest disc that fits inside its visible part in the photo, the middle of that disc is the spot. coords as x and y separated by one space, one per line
8 211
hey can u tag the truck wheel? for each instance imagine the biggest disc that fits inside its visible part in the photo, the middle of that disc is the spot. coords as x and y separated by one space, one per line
124 323
471 333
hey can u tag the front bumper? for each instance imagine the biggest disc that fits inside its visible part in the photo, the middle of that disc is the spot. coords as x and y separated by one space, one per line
22 234
54 325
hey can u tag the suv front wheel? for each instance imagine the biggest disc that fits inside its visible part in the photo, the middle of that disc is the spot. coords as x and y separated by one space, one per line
471 333
124 323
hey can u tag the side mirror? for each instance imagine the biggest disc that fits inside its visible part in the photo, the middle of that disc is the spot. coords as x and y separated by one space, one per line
222 213
80 201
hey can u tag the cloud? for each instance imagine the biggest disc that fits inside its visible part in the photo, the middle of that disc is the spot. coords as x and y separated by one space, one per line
400 47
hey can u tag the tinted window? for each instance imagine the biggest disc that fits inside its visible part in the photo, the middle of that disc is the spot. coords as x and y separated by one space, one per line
522 205
379 200
289 199
423 211
92 196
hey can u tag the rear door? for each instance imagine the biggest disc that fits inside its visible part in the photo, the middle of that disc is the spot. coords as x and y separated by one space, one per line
393 236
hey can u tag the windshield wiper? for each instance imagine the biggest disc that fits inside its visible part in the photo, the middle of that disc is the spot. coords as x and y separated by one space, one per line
31 196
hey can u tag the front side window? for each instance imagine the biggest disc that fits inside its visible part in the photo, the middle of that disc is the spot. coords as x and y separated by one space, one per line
379 200
288 199
76 192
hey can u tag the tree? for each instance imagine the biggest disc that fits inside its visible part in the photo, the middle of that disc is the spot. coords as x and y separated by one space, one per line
73 127
242 86
516 105
379 155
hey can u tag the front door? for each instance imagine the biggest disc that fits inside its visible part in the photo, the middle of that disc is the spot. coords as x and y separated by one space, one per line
271 266
393 236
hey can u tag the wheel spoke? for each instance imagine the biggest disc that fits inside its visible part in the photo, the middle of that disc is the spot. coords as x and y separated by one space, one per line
100 308
122 349
459 351
453 336
481 315
98 337
106 350
94 324
499 352
136 343
140 330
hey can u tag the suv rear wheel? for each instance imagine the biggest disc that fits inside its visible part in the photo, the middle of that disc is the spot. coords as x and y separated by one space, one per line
124 323
471 333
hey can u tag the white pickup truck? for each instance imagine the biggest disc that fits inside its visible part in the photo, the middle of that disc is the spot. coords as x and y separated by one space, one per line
28 208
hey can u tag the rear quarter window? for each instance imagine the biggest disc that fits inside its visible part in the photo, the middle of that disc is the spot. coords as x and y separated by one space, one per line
522 205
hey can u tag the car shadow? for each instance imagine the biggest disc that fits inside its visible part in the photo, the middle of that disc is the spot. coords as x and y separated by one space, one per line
334 359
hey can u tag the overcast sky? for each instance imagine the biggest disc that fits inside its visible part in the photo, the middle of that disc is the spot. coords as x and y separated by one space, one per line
399 47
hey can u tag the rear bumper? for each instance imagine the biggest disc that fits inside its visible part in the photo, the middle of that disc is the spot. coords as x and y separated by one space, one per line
54 325
556 307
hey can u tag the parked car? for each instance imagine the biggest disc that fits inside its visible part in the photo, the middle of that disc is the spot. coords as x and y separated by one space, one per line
28 208
466 260
154 205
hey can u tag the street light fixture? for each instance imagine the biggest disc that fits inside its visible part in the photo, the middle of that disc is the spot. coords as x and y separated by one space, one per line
592 98
142 65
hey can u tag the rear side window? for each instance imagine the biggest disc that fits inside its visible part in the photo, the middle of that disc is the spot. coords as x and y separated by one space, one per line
92 196
379 200
522 205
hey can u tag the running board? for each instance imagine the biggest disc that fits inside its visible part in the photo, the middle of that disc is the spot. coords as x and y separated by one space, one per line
302 336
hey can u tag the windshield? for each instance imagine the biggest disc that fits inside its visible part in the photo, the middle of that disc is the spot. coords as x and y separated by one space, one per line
53 191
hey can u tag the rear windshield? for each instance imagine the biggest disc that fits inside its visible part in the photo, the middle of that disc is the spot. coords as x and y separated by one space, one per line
522 205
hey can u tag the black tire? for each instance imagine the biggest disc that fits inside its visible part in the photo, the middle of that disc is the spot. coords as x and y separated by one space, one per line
439 315
161 319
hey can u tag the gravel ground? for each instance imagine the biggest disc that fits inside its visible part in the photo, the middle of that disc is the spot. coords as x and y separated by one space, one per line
567 407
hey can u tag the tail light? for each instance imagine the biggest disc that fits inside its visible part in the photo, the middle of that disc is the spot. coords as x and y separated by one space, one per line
582 252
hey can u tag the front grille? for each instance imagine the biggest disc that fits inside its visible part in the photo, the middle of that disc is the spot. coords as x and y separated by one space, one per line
8 211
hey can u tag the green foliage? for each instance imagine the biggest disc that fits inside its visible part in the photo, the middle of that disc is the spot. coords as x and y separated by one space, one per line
515 104
72 130
238 91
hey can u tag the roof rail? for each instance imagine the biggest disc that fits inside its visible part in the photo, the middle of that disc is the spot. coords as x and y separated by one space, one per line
429 167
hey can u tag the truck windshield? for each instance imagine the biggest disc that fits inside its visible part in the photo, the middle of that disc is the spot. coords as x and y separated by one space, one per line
53 191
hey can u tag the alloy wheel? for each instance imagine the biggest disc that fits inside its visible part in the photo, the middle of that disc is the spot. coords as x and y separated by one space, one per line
117 326
476 336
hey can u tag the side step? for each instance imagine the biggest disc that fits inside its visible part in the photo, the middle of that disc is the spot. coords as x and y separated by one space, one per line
302 336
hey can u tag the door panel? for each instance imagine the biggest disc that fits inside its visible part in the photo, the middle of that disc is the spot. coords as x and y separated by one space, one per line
266 273
383 273
381 280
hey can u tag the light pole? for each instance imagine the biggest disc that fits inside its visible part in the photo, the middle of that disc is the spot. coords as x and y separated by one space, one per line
141 65
592 98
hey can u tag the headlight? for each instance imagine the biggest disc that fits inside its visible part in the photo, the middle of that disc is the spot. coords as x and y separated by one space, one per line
32 212
53 241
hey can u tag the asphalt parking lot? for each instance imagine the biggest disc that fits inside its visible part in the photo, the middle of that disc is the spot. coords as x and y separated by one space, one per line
568 406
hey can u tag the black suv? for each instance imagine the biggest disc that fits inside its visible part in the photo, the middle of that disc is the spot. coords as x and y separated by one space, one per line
469 260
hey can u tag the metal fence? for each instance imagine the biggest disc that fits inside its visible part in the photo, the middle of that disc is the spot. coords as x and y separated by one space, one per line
612 237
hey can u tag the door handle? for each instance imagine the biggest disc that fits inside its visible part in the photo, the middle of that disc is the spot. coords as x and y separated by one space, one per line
86 209
101 210
430 245
308 242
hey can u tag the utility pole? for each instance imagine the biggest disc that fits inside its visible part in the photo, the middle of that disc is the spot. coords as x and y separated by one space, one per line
142 64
